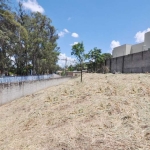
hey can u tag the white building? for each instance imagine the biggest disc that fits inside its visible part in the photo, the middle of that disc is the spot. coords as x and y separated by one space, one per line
130 49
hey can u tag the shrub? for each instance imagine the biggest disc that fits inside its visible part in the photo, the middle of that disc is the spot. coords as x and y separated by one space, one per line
105 69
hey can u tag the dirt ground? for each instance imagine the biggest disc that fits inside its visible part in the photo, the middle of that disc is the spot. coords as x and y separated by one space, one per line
105 112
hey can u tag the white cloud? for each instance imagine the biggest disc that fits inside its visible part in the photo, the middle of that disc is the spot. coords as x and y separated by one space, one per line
66 31
114 44
140 35
62 60
62 33
74 43
33 6
75 35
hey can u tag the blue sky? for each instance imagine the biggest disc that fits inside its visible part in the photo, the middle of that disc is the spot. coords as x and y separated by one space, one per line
98 23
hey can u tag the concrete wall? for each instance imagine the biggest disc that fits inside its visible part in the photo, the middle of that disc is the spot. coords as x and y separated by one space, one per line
137 48
131 49
133 63
113 64
128 49
127 68
121 50
147 41
119 64
9 92
146 61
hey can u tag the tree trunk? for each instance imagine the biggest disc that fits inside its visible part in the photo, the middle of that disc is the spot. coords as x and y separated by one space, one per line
81 75
81 72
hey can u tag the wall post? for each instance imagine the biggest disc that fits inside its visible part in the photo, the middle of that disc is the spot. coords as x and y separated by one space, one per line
123 64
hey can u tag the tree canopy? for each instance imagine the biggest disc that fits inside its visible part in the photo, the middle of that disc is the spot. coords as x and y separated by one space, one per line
78 52
97 59
28 42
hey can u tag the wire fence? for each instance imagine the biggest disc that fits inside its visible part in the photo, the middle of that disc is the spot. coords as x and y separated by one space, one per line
16 79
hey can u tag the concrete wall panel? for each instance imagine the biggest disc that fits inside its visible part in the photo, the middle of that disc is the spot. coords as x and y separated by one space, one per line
119 62
121 50
137 48
10 92
128 62
108 63
146 69
137 60
147 40
127 70
146 55
137 70
113 65
133 63
132 49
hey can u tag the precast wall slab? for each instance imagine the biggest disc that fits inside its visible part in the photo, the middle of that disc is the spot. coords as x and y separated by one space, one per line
133 63
113 64
146 61
128 64
137 62
147 41
137 48
121 50
128 49
119 66
10 92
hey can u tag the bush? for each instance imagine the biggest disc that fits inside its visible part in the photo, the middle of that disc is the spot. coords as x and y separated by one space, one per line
105 69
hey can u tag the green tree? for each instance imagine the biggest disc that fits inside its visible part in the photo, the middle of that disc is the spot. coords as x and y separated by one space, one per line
95 58
11 35
41 48
4 58
27 41
78 52
42 43
106 56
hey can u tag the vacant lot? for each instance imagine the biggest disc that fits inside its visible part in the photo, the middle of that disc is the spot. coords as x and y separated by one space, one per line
105 112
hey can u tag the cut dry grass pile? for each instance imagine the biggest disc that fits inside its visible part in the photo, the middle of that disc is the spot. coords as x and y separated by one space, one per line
105 112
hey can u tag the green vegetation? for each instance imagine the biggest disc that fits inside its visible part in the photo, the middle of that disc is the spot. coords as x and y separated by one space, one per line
96 60
95 57
27 42
28 45
78 52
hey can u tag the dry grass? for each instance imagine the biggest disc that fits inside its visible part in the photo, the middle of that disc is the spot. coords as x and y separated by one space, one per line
105 112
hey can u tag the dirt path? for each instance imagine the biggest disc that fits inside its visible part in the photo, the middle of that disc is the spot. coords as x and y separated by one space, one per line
105 112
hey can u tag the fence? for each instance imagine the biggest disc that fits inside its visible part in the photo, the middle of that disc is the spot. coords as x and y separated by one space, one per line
17 79
10 92
132 63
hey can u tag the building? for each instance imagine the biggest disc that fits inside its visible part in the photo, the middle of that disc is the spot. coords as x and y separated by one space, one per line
127 49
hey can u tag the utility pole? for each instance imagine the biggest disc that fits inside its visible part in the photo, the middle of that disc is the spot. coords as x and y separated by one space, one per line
66 60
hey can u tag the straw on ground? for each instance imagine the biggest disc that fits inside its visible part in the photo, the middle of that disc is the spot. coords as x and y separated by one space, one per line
105 112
